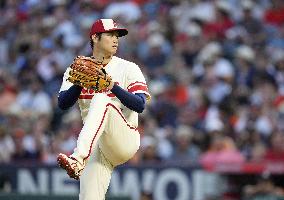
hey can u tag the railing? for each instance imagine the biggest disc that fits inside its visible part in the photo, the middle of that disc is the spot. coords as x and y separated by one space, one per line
166 182
48 197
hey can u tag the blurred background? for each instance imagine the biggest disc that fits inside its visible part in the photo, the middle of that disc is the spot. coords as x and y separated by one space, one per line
214 128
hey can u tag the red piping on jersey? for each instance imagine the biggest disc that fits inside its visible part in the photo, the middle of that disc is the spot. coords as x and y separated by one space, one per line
90 96
135 83
86 96
109 104
138 87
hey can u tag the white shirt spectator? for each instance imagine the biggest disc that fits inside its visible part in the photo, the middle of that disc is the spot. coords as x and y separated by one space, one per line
7 148
38 102
212 120
129 11
224 68
45 68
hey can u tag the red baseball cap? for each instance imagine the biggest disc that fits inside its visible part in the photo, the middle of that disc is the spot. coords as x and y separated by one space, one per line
107 25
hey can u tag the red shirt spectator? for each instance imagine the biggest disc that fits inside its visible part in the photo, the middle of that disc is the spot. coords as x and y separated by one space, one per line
217 28
275 15
276 151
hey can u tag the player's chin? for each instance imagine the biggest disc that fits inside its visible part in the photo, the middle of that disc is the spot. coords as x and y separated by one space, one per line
113 50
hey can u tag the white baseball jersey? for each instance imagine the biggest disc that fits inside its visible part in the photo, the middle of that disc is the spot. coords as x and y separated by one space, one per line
124 73
109 136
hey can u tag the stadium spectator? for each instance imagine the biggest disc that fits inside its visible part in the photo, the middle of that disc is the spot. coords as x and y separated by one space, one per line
7 146
275 151
222 150
264 188
186 152
214 66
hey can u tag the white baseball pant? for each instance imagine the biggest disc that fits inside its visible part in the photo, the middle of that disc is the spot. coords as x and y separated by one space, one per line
105 141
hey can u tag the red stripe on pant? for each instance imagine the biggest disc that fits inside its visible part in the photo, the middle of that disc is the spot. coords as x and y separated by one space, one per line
109 104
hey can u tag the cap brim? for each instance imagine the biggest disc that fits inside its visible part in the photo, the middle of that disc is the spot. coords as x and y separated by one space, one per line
121 31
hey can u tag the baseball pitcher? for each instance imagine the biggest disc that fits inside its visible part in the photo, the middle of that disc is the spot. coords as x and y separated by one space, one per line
111 92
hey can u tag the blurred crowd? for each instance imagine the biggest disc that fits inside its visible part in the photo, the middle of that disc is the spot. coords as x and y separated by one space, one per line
214 68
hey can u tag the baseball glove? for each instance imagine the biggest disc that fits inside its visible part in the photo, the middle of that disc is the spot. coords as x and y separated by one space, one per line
88 73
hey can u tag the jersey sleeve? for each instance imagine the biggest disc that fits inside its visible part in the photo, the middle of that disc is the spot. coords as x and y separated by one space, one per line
65 83
136 82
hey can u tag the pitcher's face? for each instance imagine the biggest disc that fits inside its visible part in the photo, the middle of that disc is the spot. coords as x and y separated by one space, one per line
108 43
